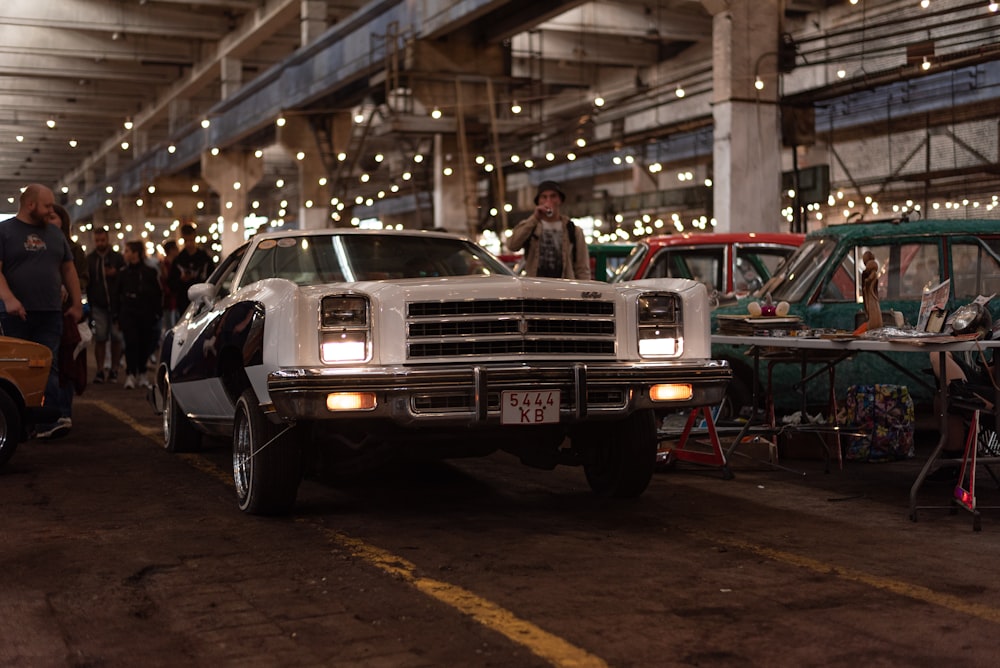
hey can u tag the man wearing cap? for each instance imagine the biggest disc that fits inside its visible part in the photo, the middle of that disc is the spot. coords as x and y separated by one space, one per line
553 246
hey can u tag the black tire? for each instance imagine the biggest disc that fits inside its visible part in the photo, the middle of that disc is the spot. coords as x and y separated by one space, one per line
267 468
619 457
10 427
179 434
739 395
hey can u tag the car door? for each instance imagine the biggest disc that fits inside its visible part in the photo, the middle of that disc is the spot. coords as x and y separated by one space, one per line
753 265
703 263
193 372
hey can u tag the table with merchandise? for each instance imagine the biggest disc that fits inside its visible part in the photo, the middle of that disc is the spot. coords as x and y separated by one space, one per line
802 346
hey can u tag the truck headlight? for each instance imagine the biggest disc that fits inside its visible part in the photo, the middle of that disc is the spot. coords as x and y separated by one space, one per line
661 333
345 332
344 311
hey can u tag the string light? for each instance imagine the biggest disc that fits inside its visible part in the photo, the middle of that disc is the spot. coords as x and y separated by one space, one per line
436 113
758 83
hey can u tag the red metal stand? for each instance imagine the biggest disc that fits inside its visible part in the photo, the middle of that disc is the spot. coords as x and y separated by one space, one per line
714 458
966 498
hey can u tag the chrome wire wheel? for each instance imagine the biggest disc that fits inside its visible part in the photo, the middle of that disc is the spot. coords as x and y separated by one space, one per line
267 465
168 413
242 456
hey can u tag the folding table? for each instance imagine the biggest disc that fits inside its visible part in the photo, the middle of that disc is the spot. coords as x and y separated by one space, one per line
924 345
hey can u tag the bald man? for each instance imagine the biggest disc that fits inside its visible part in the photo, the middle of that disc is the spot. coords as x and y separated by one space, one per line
35 262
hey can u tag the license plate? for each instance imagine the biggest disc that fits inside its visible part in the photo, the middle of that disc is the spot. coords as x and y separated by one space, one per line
529 407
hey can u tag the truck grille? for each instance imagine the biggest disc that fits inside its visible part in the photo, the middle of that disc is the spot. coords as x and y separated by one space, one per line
511 327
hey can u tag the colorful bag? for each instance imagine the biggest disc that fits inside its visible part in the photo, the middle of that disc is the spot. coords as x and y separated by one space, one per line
885 412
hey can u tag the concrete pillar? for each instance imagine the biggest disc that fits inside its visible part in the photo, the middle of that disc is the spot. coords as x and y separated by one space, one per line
132 214
471 63
342 128
232 174
111 164
747 150
139 141
314 20
179 113
449 190
297 137
231 75
102 217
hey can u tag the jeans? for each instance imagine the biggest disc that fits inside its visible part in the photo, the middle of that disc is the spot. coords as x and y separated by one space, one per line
65 403
44 327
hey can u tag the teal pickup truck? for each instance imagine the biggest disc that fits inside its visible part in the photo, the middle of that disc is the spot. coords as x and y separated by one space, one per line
822 284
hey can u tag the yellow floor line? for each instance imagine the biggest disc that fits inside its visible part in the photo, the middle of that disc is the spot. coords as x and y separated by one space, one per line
906 589
153 433
541 643
545 645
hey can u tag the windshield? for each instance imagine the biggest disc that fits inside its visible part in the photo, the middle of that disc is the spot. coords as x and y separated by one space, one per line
312 259
794 279
628 270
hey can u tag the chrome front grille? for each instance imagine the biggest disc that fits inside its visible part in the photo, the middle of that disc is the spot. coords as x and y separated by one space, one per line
511 327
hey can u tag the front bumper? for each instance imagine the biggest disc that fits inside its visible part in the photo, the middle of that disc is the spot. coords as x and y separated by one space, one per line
469 395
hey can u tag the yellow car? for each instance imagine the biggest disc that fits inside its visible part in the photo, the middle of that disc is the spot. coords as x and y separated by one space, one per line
24 369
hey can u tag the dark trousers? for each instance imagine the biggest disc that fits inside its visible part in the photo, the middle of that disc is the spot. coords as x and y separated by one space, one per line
137 330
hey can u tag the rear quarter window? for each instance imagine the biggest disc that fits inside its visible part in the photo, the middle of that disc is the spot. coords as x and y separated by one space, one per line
975 267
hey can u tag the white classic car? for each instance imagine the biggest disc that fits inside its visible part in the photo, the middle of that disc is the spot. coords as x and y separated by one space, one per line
318 351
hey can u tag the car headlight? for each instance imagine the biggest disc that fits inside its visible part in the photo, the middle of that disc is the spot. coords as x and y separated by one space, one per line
345 332
660 328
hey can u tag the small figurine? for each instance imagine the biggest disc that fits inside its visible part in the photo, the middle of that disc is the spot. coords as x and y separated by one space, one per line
869 291
767 308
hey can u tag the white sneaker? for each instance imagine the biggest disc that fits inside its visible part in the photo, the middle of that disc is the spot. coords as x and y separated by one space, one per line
144 381
56 430
129 382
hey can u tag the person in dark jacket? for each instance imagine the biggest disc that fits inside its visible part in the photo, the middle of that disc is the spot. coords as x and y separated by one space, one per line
72 357
139 305
192 265
103 265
